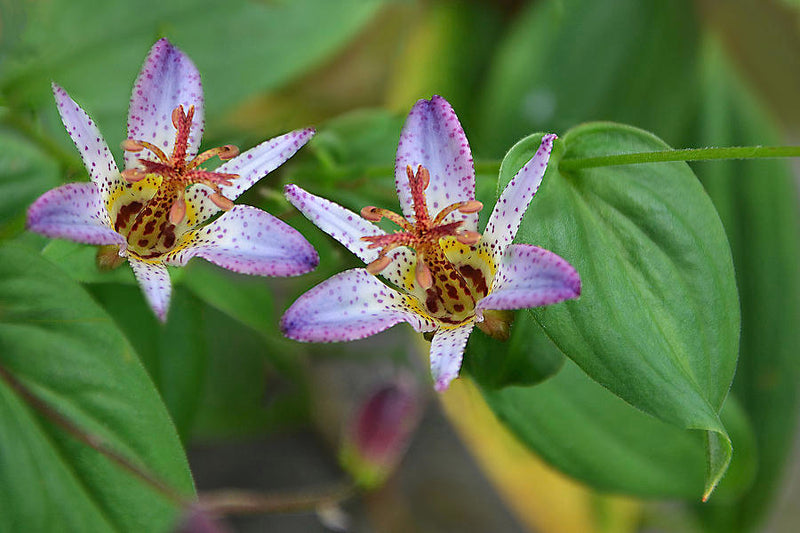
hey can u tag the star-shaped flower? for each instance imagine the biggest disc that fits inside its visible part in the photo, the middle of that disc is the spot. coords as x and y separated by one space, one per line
155 212
449 277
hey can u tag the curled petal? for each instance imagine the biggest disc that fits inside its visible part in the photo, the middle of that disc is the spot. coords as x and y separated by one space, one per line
250 166
260 160
447 350
93 148
167 80
350 305
433 137
529 276
153 278
348 228
249 241
76 212
512 203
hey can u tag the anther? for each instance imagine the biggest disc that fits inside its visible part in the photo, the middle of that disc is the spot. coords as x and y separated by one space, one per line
371 213
378 265
132 175
131 145
468 237
221 201
229 151
472 206
178 211
423 275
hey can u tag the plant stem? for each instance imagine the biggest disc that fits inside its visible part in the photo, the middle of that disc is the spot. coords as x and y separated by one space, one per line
234 501
93 441
686 154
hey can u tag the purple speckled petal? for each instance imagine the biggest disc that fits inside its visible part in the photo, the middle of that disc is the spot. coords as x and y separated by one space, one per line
168 79
153 278
251 166
249 241
90 143
260 160
76 212
529 276
337 221
348 228
512 203
350 305
433 137
447 350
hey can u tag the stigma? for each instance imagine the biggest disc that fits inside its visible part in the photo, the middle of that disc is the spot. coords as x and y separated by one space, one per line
447 294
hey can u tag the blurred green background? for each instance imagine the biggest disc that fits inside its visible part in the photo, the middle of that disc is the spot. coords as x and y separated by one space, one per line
255 410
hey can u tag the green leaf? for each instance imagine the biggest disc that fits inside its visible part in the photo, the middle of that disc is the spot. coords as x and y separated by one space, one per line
564 62
757 201
174 353
658 319
527 358
80 262
67 351
588 433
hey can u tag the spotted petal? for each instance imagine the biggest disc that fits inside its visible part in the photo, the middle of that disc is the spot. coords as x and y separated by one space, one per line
76 212
529 276
153 278
348 306
251 166
510 207
447 350
90 143
348 228
250 241
432 137
168 79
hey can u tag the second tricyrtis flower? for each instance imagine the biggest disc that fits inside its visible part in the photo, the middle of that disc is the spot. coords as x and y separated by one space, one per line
448 277
156 211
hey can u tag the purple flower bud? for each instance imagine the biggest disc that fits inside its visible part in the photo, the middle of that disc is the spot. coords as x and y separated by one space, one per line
379 433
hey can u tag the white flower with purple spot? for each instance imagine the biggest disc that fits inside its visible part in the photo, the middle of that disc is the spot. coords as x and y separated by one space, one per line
449 277
155 211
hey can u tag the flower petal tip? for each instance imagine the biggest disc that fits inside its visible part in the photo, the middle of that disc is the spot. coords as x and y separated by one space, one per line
443 383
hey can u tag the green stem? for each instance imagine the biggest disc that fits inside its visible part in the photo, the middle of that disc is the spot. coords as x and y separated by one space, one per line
686 154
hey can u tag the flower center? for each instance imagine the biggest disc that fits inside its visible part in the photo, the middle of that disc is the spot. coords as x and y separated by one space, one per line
448 290
150 226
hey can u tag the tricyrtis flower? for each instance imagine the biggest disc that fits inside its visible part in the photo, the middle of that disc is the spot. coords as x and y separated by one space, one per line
449 277
155 212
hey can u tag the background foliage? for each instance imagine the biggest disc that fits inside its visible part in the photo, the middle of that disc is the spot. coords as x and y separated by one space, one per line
219 375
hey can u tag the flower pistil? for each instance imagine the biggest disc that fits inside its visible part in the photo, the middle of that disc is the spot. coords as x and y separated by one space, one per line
150 227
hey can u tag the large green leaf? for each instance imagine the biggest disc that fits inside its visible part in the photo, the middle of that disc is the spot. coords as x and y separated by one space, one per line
67 351
757 201
174 353
585 431
658 319
526 358
564 62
